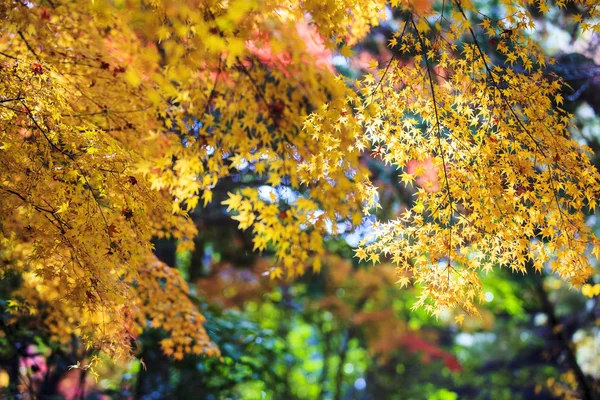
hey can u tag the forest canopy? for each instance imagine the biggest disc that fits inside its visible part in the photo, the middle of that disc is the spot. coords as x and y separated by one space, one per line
121 120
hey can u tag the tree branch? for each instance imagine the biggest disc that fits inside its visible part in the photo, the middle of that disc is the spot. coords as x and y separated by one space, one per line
28 46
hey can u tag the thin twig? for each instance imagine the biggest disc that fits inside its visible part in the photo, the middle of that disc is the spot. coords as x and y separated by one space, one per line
8 56
439 139
213 90
388 66
28 46
9 100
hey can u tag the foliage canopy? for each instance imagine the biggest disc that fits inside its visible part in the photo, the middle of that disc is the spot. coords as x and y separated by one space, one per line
118 118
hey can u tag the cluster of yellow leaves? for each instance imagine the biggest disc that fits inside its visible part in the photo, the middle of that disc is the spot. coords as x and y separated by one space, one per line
159 299
76 218
163 302
244 116
508 170
328 186
342 20
116 118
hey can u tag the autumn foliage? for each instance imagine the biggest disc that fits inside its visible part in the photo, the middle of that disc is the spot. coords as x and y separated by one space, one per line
117 119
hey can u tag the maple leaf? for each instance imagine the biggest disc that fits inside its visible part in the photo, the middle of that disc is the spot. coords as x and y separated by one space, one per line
407 179
233 202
